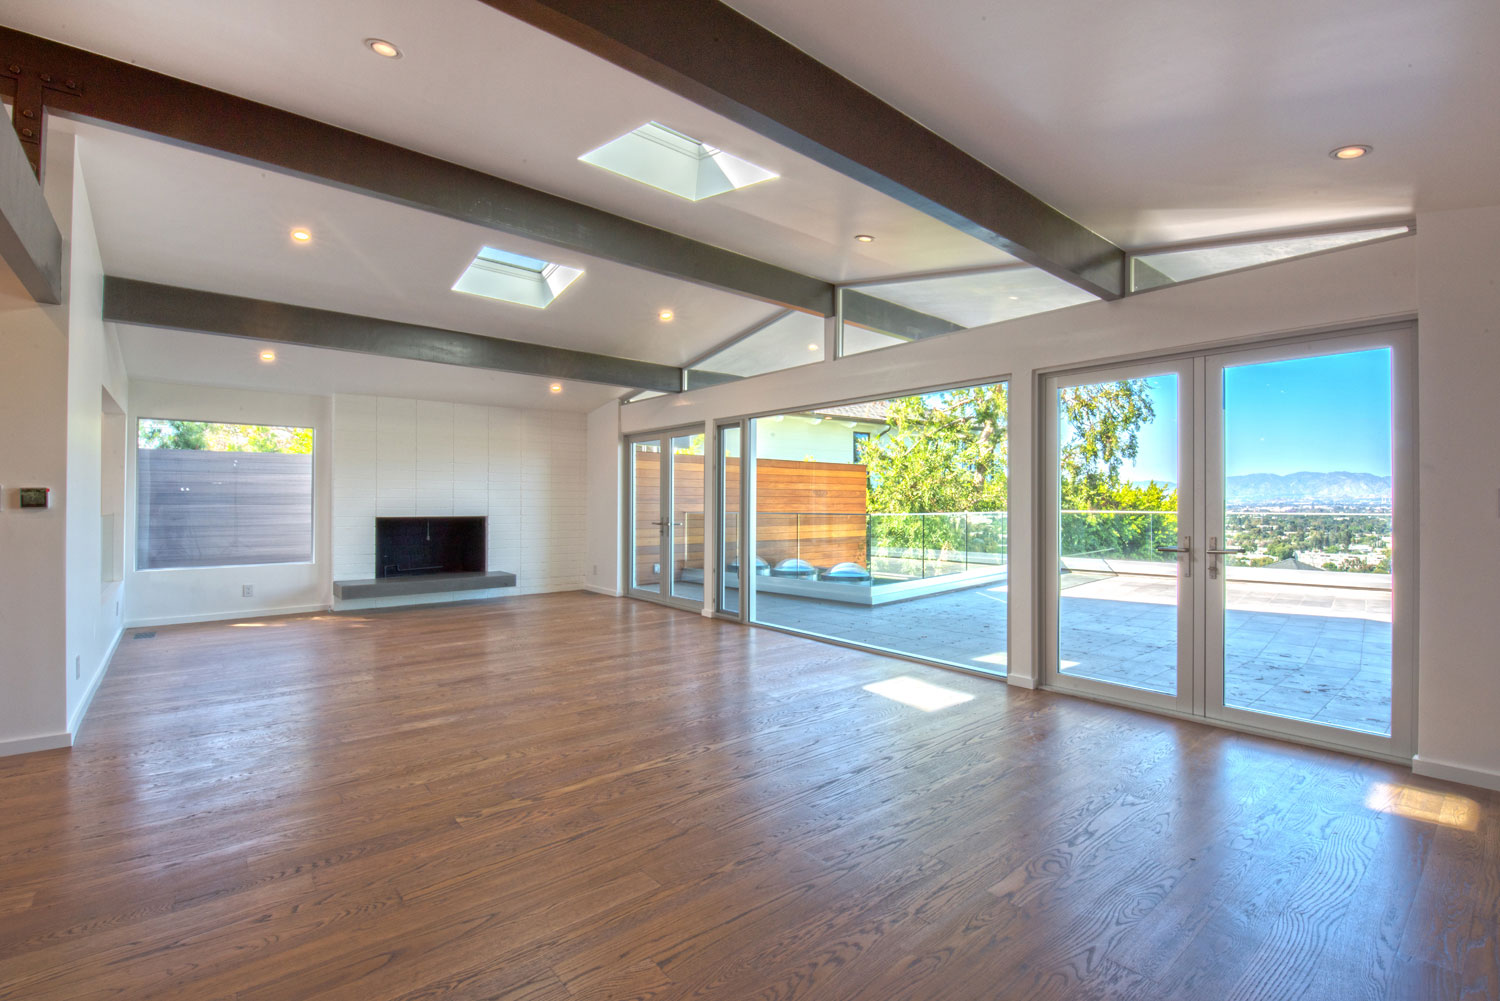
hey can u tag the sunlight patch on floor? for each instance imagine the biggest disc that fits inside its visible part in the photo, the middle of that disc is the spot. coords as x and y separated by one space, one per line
1447 809
918 694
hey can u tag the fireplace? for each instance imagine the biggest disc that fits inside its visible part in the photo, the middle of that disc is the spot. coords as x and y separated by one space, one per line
406 547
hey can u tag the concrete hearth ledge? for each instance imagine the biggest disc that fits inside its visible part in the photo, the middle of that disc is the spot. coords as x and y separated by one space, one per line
433 583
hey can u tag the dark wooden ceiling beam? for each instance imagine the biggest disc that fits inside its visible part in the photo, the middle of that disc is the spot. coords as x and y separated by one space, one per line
30 242
718 58
147 304
133 98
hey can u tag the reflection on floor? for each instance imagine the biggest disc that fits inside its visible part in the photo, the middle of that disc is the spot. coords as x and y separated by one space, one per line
1315 653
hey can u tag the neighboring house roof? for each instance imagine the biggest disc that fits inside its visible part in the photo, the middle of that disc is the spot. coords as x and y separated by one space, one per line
1291 564
875 411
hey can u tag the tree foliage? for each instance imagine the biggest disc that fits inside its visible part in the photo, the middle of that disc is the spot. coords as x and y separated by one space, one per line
207 437
943 452
948 452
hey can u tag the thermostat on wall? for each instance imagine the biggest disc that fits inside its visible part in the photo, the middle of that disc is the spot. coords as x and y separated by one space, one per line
34 496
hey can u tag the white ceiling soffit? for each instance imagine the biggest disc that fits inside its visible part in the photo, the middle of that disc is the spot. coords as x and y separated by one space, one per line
482 89
975 299
170 215
1161 121
791 340
234 363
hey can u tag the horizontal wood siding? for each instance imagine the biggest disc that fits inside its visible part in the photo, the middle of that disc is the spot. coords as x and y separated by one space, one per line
806 510
200 509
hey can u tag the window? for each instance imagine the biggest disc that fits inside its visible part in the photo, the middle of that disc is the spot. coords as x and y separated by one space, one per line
860 438
222 494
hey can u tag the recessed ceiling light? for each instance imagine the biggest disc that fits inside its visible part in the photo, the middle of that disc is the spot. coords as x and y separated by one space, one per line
300 235
864 237
1015 298
812 347
381 47
665 316
556 387
268 355
1353 152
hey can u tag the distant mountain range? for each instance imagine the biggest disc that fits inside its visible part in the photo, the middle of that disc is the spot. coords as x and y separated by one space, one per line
1263 488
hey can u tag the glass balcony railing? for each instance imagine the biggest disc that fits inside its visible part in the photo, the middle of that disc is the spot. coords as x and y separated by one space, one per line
886 546
1324 541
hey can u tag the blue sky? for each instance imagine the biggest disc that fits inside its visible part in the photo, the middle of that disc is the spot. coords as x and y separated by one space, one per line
1322 414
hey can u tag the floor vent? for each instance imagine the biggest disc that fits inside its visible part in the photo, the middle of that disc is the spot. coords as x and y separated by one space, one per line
149 634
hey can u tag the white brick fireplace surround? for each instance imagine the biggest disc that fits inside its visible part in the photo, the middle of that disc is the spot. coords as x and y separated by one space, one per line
523 469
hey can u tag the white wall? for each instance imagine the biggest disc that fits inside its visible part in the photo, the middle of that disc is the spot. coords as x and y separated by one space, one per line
58 622
605 483
33 453
157 597
523 469
1458 385
94 607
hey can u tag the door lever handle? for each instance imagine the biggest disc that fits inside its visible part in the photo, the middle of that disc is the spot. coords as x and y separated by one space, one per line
1187 549
1223 552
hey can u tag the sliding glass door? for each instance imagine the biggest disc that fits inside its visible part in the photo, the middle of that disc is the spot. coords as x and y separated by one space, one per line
1224 531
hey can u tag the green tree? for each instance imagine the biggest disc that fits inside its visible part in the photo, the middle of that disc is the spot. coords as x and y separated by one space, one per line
203 436
943 452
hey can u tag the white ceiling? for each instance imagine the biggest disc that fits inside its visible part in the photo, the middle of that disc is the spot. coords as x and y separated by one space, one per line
1158 121
234 363
483 89
171 215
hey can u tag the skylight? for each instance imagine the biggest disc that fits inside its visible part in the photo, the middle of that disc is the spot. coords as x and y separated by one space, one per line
671 161
511 277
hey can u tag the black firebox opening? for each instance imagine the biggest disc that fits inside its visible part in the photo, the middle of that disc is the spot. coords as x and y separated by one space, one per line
407 546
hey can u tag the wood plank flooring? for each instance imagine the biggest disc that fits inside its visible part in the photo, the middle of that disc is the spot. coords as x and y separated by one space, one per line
571 796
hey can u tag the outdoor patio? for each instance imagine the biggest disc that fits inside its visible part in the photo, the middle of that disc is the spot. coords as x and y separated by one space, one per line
1309 652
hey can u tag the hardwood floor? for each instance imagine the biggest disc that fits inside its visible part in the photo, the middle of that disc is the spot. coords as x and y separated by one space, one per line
571 796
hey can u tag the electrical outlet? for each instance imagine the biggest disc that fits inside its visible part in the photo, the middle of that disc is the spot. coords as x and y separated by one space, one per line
247 590
117 609
596 569
77 667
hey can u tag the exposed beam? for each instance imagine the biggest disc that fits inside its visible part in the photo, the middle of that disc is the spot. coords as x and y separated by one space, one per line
30 242
130 97
717 57
893 318
127 300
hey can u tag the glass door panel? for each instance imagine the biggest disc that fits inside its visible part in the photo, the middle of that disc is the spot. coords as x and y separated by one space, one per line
1300 592
686 528
729 520
645 556
1120 560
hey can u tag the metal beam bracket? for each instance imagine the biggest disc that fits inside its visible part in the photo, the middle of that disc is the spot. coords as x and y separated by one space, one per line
28 89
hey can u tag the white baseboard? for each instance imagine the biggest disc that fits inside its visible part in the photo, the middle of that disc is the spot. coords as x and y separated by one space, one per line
1433 768
1021 681
76 720
25 745
610 591
259 613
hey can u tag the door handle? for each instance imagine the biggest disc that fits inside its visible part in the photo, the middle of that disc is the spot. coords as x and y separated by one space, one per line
1185 549
664 524
1213 554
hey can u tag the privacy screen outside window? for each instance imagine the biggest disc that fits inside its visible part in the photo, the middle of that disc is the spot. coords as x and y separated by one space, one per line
222 494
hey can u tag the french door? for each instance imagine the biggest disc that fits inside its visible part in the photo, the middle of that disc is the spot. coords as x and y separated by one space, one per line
1228 536
664 517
